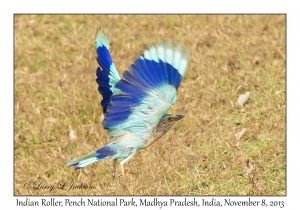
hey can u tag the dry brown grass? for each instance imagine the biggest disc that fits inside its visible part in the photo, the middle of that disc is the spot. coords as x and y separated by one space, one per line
56 92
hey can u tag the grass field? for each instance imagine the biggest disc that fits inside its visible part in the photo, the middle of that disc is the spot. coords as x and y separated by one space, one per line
219 148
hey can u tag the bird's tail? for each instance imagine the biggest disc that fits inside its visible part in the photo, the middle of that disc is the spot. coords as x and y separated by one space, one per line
107 74
104 152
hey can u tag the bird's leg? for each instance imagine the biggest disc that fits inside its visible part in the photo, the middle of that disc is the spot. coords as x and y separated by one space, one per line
124 161
114 168
122 170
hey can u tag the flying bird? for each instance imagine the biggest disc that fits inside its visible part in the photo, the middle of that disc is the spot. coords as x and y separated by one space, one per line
135 106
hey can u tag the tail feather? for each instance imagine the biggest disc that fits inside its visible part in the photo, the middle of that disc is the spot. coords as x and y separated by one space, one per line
104 152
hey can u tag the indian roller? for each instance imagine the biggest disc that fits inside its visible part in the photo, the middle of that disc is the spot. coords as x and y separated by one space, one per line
135 106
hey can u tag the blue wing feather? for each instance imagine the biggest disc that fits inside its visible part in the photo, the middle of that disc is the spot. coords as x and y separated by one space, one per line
124 100
139 77
136 83
130 89
148 91
140 64
176 63
162 62
107 75
151 60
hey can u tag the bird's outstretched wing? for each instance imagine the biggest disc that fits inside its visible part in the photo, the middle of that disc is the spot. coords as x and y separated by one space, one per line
148 90
107 74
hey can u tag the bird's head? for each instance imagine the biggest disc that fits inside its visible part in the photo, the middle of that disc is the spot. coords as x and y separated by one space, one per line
169 118
166 122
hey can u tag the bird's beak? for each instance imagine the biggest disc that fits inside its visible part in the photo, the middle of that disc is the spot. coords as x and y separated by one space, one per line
179 117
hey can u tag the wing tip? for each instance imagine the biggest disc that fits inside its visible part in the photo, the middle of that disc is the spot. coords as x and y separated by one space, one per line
102 38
